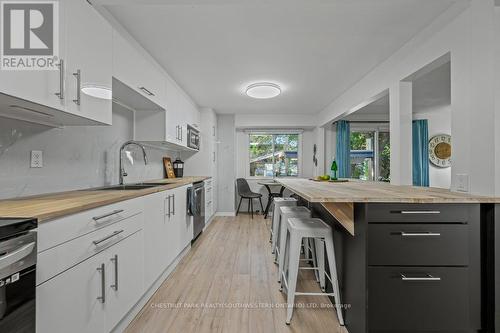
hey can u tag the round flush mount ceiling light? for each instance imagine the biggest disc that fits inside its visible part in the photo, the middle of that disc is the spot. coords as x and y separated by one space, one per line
97 91
263 90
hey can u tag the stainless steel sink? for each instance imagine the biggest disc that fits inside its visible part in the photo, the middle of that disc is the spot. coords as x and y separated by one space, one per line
126 187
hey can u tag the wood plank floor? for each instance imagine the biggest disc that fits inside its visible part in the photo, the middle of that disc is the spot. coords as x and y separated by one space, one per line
228 283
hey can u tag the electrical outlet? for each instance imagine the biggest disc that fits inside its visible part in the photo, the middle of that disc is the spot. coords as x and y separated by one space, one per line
462 182
37 159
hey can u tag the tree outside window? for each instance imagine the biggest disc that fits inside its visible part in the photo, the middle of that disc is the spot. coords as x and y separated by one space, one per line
274 155
370 155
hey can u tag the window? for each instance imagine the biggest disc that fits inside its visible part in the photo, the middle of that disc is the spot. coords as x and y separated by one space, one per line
370 155
274 155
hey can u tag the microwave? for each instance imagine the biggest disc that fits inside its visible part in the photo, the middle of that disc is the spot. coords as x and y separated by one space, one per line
193 138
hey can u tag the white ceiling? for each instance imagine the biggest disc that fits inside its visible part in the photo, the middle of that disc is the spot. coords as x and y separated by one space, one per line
429 91
314 49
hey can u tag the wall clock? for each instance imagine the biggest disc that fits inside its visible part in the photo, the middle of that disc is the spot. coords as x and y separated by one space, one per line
440 150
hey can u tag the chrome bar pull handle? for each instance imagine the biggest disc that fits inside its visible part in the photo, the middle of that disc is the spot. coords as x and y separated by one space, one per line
115 233
147 91
173 204
429 277
60 94
100 217
115 261
420 234
78 76
168 206
420 212
102 270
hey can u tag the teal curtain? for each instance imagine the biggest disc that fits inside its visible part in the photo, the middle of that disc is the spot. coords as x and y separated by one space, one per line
420 146
343 154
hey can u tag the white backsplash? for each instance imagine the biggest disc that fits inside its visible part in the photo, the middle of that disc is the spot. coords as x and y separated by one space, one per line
73 157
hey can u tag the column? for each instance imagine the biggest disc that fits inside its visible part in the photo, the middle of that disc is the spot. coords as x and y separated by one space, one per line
400 116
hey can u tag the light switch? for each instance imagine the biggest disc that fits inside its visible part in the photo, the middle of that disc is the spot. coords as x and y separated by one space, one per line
36 159
462 182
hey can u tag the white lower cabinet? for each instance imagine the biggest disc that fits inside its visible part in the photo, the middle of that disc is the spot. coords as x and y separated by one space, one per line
92 274
157 255
180 225
125 277
69 302
94 295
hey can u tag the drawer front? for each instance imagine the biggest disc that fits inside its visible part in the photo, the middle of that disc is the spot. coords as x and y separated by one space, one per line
420 213
416 304
58 259
418 244
55 232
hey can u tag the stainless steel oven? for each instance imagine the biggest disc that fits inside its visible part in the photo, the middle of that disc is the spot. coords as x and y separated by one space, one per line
18 248
193 137
196 207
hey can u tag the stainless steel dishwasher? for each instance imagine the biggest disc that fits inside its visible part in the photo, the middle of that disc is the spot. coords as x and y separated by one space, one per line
17 274
196 207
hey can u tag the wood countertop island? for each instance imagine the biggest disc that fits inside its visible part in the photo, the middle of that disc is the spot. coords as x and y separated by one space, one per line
365 191
338 198
425 256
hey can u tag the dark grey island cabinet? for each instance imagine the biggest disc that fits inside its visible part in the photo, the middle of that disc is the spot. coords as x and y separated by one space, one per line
413 267
411 259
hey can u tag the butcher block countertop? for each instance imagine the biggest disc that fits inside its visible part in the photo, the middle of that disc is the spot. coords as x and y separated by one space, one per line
362 191
46 207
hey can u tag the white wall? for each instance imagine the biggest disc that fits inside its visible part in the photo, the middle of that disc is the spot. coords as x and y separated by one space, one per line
466 32
275 120
73 157
439 122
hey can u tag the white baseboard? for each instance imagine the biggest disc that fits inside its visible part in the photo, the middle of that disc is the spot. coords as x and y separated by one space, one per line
225 214
122 325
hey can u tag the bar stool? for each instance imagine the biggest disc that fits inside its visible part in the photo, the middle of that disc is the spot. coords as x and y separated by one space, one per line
296 230
286 212
275 224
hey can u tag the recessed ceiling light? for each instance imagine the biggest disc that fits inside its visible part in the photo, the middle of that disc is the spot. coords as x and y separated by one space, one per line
97 91
263 90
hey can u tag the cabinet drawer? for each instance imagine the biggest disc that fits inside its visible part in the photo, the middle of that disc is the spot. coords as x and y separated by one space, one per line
420 213
418 299
58 259
418 244
55 232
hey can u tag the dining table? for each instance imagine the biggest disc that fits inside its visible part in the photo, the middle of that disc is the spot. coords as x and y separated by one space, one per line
269 185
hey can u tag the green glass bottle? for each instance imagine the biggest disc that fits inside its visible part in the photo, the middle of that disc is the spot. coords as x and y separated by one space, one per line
334 169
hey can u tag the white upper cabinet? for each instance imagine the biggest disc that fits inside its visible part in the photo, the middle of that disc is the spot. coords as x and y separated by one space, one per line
38 86
132 69
46 97
168 127
89 60
173 116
